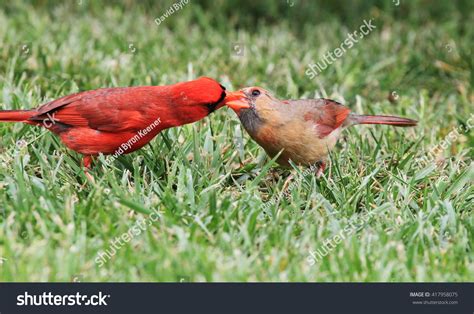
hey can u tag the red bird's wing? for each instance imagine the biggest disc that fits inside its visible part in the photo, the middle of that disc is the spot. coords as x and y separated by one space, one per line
106 109
326 114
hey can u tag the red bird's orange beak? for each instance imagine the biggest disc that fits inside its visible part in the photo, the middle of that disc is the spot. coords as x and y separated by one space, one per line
236 101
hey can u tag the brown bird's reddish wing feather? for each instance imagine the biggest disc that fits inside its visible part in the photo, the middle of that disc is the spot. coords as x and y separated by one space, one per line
332 116
327 114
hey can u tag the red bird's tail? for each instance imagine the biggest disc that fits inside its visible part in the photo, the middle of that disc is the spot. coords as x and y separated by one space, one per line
16 115
389 120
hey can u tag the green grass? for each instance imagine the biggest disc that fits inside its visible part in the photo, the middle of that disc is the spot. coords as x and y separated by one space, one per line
209 181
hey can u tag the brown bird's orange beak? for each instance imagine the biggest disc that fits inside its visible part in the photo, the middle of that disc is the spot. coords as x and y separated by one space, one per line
236 100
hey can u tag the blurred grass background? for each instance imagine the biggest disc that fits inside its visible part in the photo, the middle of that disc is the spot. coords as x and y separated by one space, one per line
209 180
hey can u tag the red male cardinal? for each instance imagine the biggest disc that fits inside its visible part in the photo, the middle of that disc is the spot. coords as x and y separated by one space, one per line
122 119
304 130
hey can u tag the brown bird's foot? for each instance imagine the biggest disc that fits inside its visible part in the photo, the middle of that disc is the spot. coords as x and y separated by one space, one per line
273 174
287 183
321 168
87 163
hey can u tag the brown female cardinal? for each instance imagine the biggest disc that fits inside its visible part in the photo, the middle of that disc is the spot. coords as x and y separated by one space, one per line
303 130
122 119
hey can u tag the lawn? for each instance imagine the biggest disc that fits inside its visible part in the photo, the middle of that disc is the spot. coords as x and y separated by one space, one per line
202 202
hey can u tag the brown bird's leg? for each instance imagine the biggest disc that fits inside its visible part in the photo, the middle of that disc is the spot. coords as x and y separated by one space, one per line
287 182
273 173
321 168
87 163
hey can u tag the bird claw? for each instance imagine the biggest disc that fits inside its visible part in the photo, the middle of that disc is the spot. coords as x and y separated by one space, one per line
287 182
89 177
87 163
321 168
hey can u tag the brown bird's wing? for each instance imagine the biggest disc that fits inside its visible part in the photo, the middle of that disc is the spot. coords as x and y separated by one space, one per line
106 109
326 114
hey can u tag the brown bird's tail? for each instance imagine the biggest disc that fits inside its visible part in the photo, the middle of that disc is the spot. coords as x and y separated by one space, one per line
389 120
16 115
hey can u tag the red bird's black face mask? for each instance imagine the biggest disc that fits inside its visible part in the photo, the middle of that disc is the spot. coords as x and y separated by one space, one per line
194 100
201 92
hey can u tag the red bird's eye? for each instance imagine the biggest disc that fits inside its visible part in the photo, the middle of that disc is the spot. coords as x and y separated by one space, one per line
255 92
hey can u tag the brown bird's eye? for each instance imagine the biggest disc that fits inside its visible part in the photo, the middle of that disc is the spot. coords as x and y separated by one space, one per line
255 92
